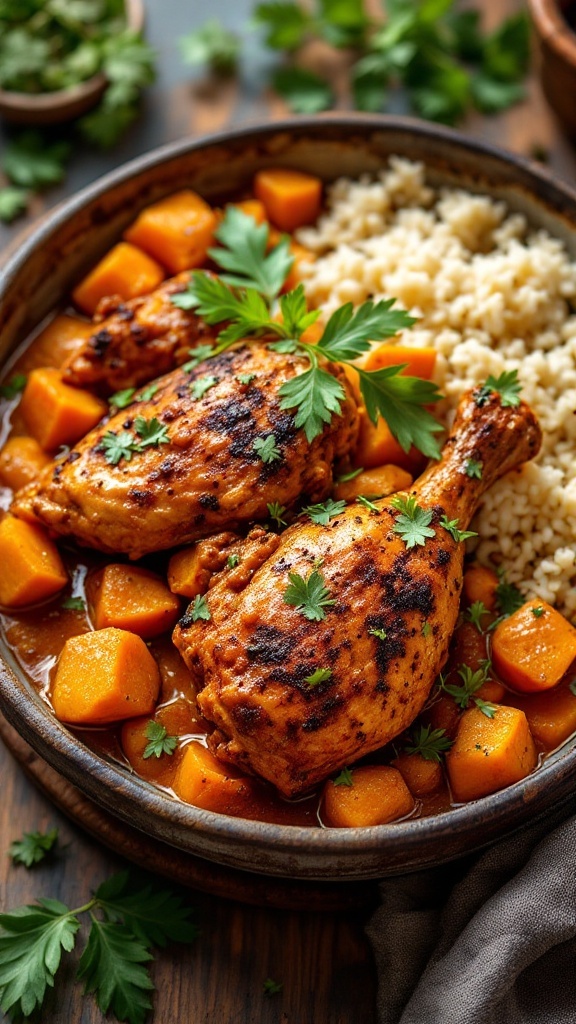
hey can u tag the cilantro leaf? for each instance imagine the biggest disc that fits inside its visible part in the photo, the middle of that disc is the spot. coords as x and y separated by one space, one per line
508 597
267 449
344 778
74 604
243 254
122 399
33 847
486 707
506 51
32 162
276 511
232 561
112 966
159 741
320 675
151 432
201 385
199 609
245 378
380 633
413 522
154 915
271 987
472 680
211 44
310 597
348 332
538 612
429 743
304 91
316 395
32 939
507 386
475 613
148 393
473 469
13 202
14 387
426 629
400 401
323 512
367 503
345 477
451 526
285 23
118 446
491 95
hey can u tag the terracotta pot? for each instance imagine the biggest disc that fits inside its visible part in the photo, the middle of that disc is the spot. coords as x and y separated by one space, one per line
41 274
63 104
557 43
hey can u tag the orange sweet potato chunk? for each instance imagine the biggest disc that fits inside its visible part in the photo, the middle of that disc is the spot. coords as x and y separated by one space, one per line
31 567
422 776
126 271
21 459
480 584
178 719
131 598
378 794
203 780
176 231
104 676
551 715
56 413
533 647
489 753
420 362
291 198
374 483
56 343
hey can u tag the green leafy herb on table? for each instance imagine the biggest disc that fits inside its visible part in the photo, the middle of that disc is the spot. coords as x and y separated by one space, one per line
13 202
213 45
271 987
125 922
244 298
34 847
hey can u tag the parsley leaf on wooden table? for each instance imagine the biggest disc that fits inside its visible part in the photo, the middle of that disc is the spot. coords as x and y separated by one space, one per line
33 847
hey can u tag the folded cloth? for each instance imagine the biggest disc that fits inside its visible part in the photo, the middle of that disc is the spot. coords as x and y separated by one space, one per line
489 940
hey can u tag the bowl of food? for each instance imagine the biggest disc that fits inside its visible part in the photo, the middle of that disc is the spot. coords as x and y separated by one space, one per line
287 543
555 25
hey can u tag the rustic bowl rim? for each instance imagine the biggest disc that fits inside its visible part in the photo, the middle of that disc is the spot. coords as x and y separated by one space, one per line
551 26
504 811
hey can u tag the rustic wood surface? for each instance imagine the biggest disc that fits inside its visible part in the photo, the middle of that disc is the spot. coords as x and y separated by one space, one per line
322 959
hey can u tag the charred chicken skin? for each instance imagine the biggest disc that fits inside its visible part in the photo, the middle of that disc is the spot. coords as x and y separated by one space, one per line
137 340
294 698
224 451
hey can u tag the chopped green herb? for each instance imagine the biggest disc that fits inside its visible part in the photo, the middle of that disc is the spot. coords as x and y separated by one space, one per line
413 522
475 613
245 378
380 633
472 680
121 399
508 597
473 469
199 609
232 561
30 850
323 512
13 202
429 743
506 385
320 675
148 393
451 525
538 612
426 629
75 604
572 686
272 988
14 387
344 778
245 257
267 448
368 504
201 385
118 446
349 476
310 597
276 511
485 707
159 741
31 161
199 354
213 45
151 432
304 91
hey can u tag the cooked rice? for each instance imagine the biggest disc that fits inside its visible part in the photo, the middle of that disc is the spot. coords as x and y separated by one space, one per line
491 294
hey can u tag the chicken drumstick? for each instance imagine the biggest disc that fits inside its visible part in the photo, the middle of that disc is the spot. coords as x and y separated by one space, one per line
299 689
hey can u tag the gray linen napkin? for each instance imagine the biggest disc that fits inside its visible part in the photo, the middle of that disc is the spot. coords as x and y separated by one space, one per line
485 941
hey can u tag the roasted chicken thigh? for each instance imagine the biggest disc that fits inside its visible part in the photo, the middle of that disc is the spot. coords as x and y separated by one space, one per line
296 692
207 452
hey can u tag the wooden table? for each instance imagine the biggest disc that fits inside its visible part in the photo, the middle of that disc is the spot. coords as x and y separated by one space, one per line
322 959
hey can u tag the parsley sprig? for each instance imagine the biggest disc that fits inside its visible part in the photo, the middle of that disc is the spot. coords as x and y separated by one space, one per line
451 525
33 847
324 511
472 680
310 597
159 742
506 385
429 743
413 523
245 296
125 922
123 445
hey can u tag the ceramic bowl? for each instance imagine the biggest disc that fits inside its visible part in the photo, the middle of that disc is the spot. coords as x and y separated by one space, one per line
63 104
43 270
555 25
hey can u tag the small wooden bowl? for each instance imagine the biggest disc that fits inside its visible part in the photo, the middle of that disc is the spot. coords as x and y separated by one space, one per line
557 42
63 104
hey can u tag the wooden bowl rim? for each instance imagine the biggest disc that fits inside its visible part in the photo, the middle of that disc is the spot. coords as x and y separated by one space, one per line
304 852
553 28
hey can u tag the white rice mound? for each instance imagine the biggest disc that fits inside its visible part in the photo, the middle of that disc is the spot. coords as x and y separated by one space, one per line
491 294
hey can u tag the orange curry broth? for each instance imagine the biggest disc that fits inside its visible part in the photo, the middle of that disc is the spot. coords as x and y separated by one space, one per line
37 635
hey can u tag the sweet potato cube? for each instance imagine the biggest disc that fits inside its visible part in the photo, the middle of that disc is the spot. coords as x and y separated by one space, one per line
252 208
378 794
31 567
533 647
124 271
420 362
444 714
176 231
551 715
131 598
420 775
56 343
480 584
291 198
489 753
190 570
203 780
104 676
374 483
178 719
56 413
21 459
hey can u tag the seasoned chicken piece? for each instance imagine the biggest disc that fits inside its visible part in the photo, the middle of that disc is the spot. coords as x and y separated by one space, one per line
298 692
135 341
223 450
